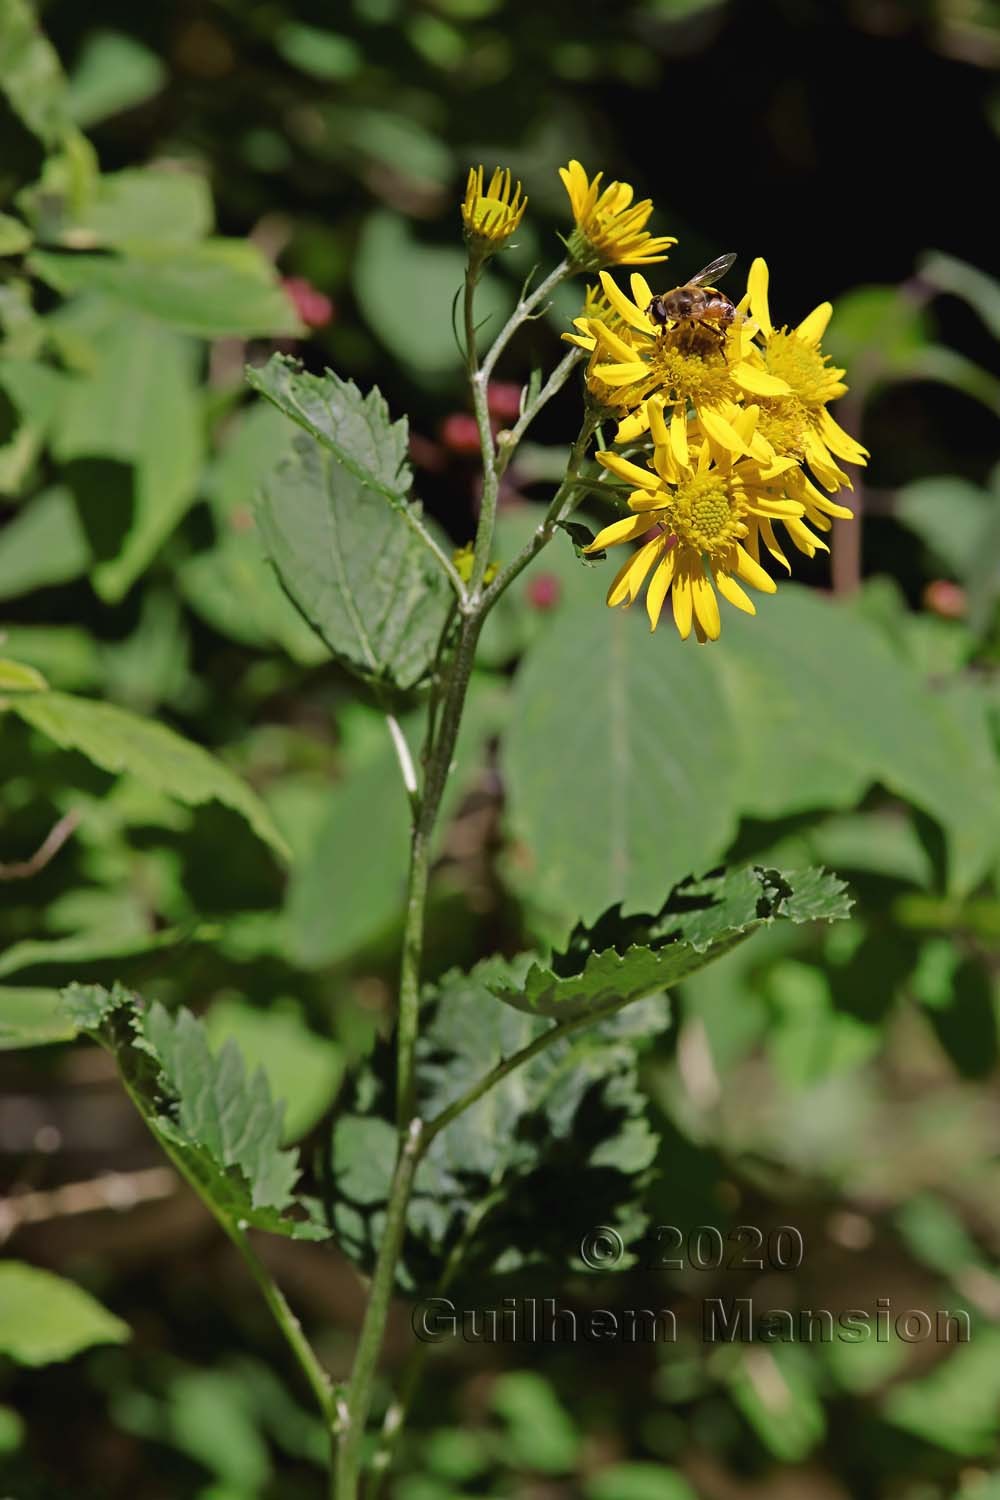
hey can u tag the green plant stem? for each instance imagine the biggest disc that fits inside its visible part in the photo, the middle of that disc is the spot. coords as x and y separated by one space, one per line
353 1420
396 1415
479 379
352 1412
560 508
507 442
524 1054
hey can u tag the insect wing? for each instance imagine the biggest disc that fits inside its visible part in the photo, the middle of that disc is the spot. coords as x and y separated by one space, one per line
715 269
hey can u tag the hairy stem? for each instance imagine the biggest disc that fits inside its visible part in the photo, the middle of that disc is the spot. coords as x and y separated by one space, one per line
479 379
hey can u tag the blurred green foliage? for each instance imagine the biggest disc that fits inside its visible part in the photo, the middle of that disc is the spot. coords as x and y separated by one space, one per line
841 1081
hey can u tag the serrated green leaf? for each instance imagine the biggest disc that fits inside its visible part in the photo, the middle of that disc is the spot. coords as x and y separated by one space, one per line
120 741
620 960
33 1018
220 1127
303 1069
347 545
220 1108
212 289
620 764
573 1114
44 1318
355 428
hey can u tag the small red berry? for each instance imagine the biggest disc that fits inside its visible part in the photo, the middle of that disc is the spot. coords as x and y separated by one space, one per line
947 599
460 433
313 307
503 398
543 591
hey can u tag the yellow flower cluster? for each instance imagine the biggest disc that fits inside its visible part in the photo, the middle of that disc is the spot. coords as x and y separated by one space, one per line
729 413
735 414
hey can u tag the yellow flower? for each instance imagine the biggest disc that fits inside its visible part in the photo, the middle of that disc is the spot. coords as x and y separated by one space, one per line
679 366
610 228
490 218
464 557
798 423
701 513
597 309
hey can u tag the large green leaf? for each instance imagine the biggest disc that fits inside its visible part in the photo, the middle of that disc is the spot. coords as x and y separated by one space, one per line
140 407
620 763
621 959
128 210
212 289
44 1318
221 1127
121 741
341 533
826 708
569 1121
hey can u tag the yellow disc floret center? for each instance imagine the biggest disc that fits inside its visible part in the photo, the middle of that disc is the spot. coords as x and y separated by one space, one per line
803 366
706 513
692 368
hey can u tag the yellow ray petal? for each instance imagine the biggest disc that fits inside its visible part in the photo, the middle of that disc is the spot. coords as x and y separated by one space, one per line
730 589
772 544
630 577
753 573
642 293
657 426
614 345
682 600
679 436
633 316
627 470
706 605
720 431
840 442
632 426
813 327
757 381
804 539
623 374
658 586
619 531
757 284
